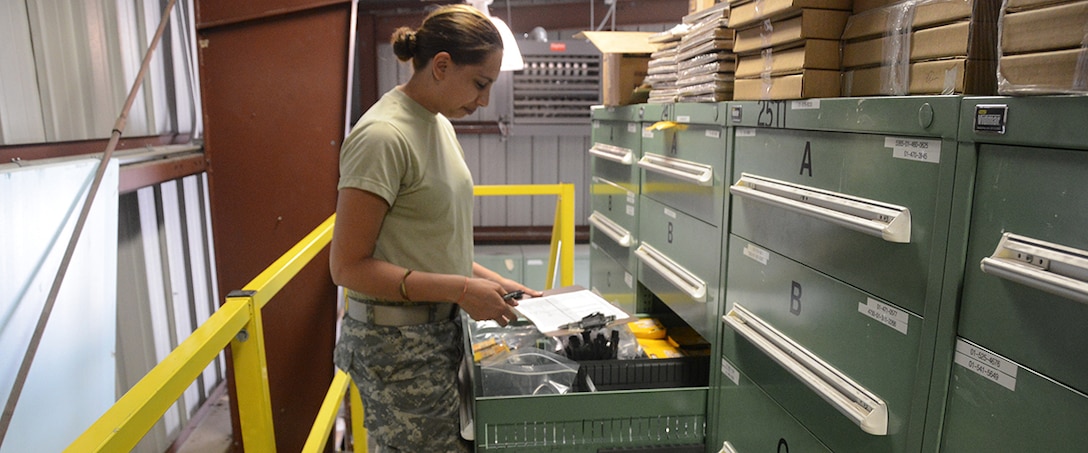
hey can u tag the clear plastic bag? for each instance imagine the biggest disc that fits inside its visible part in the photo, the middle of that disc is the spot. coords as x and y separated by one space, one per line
528 371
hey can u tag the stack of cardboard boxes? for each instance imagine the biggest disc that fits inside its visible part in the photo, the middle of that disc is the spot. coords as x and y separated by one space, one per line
920 47
788 49
705 59
1043 47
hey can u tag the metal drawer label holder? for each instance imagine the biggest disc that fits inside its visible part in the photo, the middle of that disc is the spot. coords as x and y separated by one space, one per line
613 153
1053 268
611 229
681 278
695 173
864 408
886 221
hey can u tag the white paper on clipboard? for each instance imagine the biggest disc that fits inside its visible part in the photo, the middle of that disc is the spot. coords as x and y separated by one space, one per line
553 313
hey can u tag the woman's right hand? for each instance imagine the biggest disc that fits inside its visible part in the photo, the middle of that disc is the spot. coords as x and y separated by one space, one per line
482 300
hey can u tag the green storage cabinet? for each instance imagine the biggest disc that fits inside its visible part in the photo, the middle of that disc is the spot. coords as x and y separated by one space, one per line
1019 378
996 404
1025 293
584 422
680 262
614 186
612 281
841 215
860 189
843 362
753 422
688 170
684 173
506 260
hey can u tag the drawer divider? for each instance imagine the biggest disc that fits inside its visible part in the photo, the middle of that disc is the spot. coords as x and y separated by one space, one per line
864 408
886 221
676 275
1053 268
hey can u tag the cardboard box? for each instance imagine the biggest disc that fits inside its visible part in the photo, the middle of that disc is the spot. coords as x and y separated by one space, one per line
810 24
625 60
924 14
811 54
1051 28
950 40
746 14
1054 72
948 76
861 6
1023 5
699 5
811 83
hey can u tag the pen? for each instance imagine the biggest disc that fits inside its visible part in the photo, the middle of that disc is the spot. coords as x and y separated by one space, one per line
513 295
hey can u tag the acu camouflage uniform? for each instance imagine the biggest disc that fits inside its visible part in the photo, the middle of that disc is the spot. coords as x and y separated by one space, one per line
406 378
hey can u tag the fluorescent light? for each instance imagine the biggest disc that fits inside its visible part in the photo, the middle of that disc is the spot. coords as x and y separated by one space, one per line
511 54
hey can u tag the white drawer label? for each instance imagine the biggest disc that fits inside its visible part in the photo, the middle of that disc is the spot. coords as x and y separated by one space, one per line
714 133
885 314
756 253
744 132
730 372
631 210
987 364
914 149
632 128
683 119
646 133
805 104
670 213
631 197
629 279
596 124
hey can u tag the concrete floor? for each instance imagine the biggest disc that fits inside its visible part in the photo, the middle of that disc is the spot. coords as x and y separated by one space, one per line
212 434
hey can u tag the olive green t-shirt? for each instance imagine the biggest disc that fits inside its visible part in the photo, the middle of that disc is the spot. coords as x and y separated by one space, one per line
410 157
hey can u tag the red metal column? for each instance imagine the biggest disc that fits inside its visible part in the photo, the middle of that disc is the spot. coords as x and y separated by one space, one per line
273 78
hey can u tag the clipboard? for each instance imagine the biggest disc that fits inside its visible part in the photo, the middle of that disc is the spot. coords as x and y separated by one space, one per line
569 310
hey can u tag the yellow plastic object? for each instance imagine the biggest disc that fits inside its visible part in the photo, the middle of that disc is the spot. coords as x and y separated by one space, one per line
648 328
659 349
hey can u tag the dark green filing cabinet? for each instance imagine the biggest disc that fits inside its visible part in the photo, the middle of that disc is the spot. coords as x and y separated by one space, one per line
839 229
684 172
1020 372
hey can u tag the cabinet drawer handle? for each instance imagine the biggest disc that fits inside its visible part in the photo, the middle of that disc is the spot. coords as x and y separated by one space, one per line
885 221
851 399
676 274
692 172
1053 268
612 153
611 229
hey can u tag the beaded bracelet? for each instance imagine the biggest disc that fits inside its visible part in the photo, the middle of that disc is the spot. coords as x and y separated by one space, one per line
403 289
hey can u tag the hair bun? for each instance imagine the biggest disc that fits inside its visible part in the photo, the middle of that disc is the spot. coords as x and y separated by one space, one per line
404 43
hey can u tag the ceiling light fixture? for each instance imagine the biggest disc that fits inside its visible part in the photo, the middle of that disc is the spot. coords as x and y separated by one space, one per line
511 55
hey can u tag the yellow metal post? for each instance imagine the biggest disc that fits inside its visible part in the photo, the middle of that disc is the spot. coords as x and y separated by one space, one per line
358 431
326 416
251 383
128 420
562 243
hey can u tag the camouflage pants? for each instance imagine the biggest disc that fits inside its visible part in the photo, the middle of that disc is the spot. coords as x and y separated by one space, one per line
407 377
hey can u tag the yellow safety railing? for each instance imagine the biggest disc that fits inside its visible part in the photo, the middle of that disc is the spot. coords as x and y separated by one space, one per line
237 324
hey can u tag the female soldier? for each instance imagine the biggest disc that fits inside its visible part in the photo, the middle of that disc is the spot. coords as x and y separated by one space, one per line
402 243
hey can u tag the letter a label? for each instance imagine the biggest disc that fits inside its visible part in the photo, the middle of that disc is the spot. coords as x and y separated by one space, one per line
806 160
